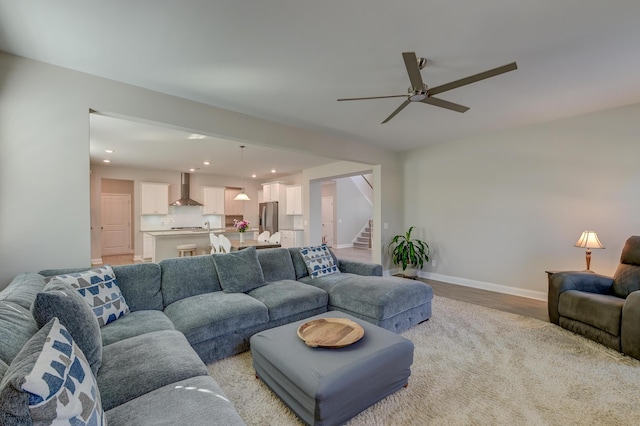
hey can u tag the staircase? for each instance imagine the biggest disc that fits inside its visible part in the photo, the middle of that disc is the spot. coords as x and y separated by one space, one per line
363 240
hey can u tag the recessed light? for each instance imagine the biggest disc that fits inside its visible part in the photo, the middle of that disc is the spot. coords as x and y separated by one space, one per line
106 161
192 170
196 136
109 151
273 170
254 175
206 163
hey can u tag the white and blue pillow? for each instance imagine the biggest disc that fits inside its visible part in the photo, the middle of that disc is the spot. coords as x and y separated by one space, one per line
50 382
99 288
319 261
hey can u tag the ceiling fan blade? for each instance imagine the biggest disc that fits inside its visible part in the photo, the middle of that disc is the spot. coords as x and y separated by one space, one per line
373 97
394 113
444 104
472 79
411 63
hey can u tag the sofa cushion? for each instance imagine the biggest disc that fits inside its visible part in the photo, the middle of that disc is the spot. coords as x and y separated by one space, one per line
319 261
207 316
61 300
626 280
16 328
298 262
198 401
135 324
50 380
287 297
377 297
239 271
99 288
276 264
138 365
140 285
598 310
23 289
184 277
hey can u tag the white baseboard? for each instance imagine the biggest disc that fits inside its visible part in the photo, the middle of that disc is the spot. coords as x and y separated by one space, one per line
137 258
97 261
465 282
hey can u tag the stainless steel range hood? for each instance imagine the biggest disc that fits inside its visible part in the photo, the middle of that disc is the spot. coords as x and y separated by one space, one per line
185 187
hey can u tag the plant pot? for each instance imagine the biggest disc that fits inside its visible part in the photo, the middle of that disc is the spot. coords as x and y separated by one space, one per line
410 272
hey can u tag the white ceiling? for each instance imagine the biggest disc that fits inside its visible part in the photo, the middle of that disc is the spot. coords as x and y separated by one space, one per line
150 146
289 60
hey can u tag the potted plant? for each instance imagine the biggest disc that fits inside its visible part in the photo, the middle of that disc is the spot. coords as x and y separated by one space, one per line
410 253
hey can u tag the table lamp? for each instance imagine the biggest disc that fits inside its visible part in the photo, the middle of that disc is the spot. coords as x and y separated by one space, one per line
589 240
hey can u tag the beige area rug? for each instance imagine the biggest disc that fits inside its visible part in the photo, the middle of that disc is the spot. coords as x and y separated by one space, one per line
478 366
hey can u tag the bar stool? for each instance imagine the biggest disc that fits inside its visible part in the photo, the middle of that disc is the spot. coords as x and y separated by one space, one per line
186 250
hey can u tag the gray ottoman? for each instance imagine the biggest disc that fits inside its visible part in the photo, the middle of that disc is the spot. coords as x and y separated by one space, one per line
330 386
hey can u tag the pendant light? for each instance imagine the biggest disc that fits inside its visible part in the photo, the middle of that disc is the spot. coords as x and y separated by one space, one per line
242 196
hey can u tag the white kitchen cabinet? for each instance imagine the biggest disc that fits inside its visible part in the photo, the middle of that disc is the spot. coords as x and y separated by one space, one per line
212 200
148 247
293 200
291 238
155 198
231 206
271 191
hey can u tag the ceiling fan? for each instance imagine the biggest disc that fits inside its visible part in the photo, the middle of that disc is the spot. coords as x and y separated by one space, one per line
419 92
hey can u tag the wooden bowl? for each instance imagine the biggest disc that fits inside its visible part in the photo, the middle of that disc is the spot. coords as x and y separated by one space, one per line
330 332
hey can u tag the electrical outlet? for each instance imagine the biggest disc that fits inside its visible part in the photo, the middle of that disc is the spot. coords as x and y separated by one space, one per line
433 263
385 225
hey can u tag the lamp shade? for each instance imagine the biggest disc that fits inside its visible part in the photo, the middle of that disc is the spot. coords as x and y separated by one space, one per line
242 196
589 240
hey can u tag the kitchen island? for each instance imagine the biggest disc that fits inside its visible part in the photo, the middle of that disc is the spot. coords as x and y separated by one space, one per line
162 243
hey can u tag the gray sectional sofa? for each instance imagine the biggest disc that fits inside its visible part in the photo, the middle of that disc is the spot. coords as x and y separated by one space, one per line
150 364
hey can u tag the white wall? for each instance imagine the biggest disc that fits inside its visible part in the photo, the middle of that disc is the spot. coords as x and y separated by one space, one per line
44 155
353 211
498 210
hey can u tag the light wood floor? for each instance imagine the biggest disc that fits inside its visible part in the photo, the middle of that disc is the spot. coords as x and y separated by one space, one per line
503 302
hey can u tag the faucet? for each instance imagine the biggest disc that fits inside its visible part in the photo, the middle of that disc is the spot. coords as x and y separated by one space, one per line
208 225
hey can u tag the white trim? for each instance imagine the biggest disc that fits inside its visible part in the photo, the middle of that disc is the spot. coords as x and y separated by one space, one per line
465 282
138 259
97 261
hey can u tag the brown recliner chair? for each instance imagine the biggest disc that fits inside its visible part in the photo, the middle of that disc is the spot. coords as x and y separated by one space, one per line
601 308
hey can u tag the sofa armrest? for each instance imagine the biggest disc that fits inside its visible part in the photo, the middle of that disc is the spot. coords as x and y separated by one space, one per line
630 328
560 282
360 268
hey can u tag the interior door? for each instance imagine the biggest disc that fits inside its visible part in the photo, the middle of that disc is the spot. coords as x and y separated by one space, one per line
116 224
327 221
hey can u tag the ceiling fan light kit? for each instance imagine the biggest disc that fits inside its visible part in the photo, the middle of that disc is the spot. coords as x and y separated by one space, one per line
420 92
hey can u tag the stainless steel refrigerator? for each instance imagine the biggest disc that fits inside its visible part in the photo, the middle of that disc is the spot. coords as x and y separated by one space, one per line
268 216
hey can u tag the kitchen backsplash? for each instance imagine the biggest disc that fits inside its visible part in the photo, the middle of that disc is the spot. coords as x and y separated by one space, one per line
180 216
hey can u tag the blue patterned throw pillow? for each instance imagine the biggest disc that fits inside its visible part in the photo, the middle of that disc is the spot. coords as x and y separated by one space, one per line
319 261
99 288
50 382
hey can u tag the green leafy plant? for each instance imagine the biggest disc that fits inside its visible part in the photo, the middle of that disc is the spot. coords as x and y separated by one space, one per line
407 251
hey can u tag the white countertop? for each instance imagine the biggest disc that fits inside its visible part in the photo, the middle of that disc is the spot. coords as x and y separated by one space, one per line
176 232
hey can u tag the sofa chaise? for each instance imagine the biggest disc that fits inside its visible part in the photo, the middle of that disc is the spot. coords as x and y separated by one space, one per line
149 359
601 308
